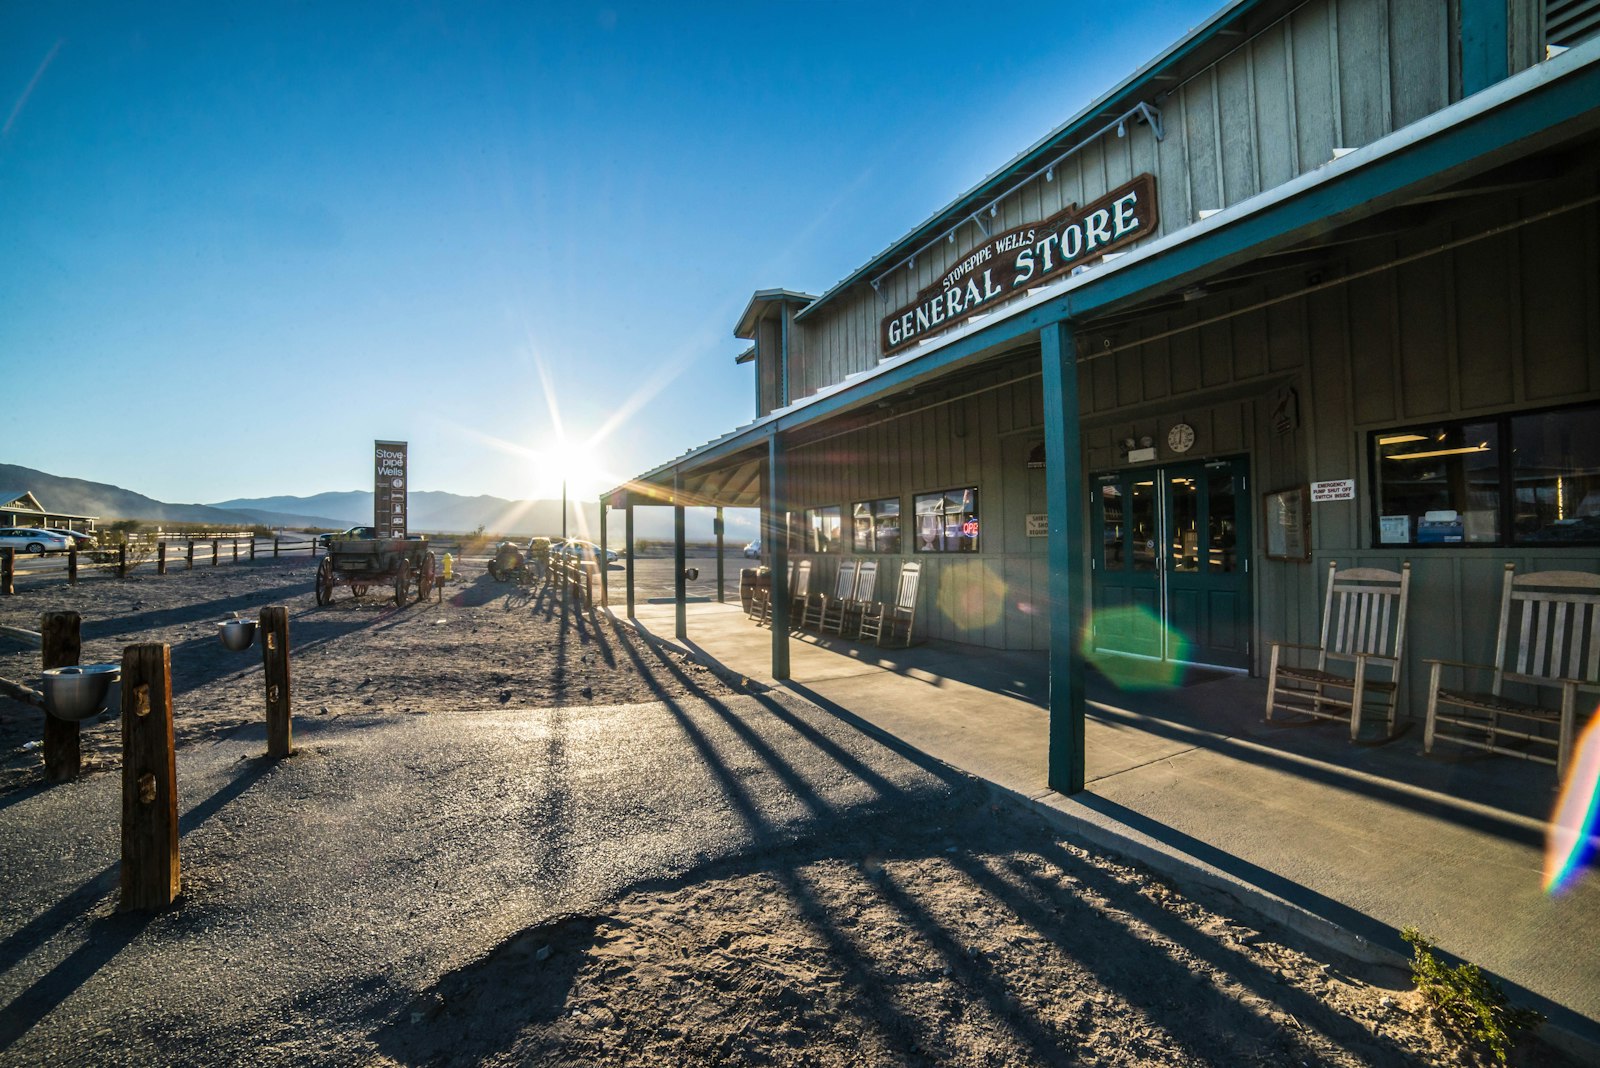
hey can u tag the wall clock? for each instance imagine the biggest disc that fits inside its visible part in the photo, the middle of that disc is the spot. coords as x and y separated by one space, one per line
1180 438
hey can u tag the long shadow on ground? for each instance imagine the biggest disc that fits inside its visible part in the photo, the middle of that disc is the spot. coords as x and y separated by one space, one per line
507 1003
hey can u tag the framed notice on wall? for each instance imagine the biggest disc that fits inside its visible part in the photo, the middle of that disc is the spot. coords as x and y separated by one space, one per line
1287 522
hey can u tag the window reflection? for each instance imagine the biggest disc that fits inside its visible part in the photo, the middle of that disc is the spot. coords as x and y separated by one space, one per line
1142 526
1114 534
1221 523
1184 525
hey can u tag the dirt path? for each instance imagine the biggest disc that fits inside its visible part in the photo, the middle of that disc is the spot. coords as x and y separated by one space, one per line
518 835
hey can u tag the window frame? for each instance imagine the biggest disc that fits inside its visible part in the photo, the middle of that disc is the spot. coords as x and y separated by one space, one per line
809 529
872 512
977 513
1506 487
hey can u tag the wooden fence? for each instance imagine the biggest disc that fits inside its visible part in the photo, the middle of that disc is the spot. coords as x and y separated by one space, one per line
156 550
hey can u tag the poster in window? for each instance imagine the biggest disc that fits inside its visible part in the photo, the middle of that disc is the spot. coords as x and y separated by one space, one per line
1288 524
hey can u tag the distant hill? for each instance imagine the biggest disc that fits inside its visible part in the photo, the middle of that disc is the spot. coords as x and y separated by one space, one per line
433 511
79 497
439 511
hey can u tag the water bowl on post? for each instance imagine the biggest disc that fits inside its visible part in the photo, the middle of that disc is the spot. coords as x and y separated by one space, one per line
77 693
237 634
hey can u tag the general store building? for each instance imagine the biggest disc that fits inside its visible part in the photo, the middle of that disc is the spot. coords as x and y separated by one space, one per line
1321 281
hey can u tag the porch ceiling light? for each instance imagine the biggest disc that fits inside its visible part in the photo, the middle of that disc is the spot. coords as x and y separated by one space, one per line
1401 439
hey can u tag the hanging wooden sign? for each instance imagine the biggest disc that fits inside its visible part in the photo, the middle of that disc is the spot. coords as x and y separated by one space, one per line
1010 263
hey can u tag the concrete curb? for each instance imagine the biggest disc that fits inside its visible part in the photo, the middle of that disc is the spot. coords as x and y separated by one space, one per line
1109 835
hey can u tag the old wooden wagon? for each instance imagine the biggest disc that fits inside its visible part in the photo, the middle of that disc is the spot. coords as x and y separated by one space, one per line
407 564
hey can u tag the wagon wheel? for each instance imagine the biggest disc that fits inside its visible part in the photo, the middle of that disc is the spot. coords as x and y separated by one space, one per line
402 580
425 580
358 589
325 580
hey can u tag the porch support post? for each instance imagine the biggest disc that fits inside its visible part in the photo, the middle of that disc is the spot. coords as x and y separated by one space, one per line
776 536
627 537
679 590
1069 600
722 581
605 568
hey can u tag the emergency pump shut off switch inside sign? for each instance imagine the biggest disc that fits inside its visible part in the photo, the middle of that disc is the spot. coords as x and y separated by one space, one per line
389 489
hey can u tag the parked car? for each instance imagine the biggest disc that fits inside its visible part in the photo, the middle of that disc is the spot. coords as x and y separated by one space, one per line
353 534
33 540
584 549
84 541
753 550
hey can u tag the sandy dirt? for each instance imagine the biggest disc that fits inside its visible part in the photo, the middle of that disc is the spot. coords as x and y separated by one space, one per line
966 933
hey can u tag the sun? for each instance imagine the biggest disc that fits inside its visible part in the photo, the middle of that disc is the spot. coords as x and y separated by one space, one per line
580 465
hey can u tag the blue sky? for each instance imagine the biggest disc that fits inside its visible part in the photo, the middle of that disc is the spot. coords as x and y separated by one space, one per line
238 242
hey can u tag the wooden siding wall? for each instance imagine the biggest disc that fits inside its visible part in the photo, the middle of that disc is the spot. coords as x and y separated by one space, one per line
1504 324
1333 74
993 598
1508 323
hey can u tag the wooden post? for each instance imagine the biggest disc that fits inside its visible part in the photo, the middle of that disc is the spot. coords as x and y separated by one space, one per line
149 779
122 560
72 564
216 546
252 546
627 539
60 646
235 544
722 582
275 662
274 546
605 569
679 591
188 561
161 558
1068 554
8 570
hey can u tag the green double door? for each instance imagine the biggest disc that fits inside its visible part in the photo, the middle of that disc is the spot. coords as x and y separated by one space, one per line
1171 562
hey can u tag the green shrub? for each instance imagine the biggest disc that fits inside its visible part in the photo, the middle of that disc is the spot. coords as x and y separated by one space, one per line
1468 997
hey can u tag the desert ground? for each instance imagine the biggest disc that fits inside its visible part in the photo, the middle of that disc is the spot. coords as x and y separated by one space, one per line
514 833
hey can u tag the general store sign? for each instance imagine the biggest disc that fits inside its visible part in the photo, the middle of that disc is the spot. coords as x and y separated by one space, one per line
1010 263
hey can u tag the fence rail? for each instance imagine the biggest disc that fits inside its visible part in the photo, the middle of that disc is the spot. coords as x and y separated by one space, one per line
132 555
158 550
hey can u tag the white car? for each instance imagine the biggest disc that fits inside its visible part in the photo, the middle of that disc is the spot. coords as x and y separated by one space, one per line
584 549
32 540
753 550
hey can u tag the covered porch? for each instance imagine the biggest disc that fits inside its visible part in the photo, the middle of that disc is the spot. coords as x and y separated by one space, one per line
1257 325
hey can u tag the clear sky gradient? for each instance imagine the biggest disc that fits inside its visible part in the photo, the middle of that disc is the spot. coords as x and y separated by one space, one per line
238 242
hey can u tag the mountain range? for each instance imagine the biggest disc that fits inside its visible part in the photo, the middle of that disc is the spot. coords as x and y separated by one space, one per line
432 511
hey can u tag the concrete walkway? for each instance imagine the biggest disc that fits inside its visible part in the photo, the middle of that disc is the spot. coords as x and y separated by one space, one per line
1346 842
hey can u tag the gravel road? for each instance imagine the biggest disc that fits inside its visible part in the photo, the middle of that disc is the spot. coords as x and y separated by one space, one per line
513 833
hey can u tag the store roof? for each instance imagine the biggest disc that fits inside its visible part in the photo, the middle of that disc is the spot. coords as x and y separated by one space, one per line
1197 49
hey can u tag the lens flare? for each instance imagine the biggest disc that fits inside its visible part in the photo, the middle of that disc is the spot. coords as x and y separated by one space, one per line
1115 633
1568 845
972 598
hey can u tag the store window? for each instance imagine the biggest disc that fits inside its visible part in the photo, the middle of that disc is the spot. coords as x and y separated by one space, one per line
875 525
1525 479
947 522
824 528
1439 484
1555 475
